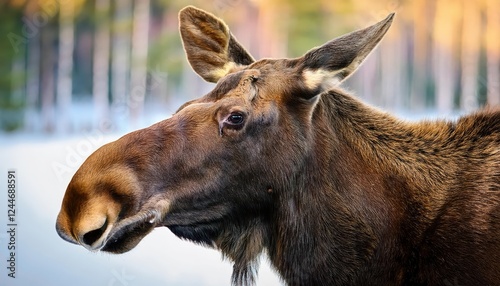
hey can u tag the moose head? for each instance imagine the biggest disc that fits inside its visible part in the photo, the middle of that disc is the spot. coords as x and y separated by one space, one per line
221 171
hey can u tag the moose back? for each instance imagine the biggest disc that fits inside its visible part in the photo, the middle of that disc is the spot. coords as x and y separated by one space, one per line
277 159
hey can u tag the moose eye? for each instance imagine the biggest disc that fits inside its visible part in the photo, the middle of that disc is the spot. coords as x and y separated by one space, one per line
235 118
234 121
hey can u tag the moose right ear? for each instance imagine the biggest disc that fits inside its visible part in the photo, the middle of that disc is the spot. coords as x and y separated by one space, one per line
211 49
326 66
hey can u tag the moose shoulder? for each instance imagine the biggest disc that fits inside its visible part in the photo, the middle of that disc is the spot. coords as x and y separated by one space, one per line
278 159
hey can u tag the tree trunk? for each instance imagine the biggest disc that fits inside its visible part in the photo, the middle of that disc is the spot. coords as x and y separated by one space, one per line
121 58
493 51
139 55
445 31
65 68
47 80
421 26
32 83
100 86
366 79
471 42
391 78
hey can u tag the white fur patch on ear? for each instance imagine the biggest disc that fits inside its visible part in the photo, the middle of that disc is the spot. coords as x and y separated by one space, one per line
320 78
219 73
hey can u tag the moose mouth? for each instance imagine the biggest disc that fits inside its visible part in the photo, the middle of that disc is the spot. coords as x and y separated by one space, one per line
199 225
129 232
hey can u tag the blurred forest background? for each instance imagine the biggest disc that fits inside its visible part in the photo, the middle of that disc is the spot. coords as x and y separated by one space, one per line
72 66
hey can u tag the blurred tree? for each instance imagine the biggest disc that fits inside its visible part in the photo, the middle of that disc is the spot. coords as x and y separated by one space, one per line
446 24
101 59
48 67
165 53
422 13
120 57
12 61
139 56
471 45
492 34
305 25
443 53
64 86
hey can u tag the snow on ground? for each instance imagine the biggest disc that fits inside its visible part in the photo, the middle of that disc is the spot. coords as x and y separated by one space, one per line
44 166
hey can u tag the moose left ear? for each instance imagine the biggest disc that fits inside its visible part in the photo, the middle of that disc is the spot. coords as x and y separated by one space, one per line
328 65
210 47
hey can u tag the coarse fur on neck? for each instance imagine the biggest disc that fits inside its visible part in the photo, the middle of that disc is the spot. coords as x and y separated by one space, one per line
386 170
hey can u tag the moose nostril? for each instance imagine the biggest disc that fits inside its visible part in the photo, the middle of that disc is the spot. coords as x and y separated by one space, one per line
64 235
92 236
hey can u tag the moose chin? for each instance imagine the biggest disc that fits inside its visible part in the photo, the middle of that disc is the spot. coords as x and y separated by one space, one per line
278 159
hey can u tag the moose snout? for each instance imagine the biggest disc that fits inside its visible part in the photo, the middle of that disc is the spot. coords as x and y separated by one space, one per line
63 232
90 233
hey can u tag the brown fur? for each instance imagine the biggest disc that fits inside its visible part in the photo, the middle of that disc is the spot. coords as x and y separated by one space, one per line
278 159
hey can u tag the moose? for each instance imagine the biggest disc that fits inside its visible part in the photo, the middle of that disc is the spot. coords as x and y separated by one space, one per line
277 159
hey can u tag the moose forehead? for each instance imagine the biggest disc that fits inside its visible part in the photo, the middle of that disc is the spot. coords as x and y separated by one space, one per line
237 83
272 78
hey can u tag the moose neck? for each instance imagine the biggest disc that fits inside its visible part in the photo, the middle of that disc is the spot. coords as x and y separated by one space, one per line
367 178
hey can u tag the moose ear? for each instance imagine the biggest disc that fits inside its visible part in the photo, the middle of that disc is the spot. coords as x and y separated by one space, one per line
328 65
210 47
